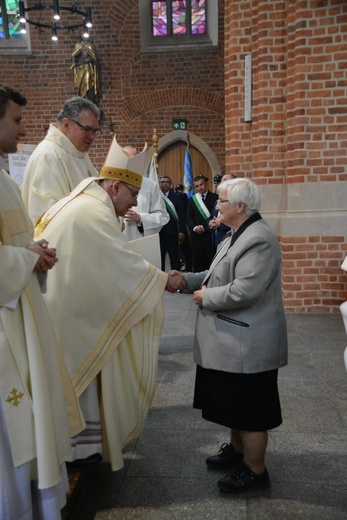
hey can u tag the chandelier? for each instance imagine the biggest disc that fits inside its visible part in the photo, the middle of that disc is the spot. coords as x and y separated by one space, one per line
75 18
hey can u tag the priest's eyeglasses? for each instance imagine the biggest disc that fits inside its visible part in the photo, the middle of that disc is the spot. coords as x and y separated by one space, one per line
87 130
135 194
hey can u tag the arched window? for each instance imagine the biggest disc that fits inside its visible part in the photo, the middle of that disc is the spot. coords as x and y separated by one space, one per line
12 41
177 24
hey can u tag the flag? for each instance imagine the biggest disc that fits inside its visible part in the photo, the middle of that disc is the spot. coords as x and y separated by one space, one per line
153 173
188 175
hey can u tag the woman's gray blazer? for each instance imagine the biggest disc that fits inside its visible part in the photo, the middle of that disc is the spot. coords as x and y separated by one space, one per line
244 285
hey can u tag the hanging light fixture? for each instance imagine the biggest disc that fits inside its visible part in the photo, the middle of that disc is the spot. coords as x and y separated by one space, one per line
54 32
56 9
56 23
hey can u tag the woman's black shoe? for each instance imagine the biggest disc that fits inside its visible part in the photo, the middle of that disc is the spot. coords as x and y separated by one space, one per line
243 479
227 457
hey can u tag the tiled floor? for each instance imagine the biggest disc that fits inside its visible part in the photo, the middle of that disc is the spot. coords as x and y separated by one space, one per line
165 476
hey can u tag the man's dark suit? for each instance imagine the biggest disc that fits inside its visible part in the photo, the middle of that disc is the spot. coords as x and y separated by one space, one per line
168 236
202 248
185 248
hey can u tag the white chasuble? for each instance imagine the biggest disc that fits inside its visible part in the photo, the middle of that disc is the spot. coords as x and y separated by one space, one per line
106 303
31 366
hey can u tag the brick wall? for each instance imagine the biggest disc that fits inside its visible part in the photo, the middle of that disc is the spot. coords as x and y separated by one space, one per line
139 92
295 147
312 280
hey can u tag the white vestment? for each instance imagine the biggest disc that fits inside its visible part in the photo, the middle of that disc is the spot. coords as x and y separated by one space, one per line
151 207
34 426
54 169
106 303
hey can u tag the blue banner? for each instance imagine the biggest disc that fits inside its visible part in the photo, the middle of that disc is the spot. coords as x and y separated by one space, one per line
188 175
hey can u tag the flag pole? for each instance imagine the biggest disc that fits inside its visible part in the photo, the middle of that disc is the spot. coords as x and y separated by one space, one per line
153 170
155 139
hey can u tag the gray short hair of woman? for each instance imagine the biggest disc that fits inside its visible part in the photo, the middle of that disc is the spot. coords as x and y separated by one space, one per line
74 106
242 190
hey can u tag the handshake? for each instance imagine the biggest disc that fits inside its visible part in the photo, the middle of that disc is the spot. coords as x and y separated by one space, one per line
175 282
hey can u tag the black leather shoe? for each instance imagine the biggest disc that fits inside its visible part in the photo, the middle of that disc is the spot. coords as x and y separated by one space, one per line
243 479
227 457
88 461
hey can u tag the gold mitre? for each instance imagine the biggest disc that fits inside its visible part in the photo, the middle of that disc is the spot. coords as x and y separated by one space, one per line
120 165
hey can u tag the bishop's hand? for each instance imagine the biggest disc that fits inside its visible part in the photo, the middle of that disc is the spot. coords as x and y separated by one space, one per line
175 282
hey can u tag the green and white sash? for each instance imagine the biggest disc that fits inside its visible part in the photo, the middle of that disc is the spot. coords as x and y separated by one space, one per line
171 209
201 207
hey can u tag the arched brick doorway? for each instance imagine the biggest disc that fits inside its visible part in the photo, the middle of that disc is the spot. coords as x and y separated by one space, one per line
171 151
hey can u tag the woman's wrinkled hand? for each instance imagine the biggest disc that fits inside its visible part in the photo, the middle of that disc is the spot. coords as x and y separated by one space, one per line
198 296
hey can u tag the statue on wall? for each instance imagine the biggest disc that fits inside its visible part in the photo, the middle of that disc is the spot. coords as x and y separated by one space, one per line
85 67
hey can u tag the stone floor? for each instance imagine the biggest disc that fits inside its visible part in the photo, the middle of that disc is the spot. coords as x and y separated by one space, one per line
165 476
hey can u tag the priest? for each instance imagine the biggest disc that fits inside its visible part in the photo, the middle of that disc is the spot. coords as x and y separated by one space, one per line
106 303
34 429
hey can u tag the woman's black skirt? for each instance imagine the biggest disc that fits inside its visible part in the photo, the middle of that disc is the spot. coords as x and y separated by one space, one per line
247 402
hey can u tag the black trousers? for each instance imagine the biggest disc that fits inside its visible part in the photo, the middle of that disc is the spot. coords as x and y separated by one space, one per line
169 244
186 253
203 252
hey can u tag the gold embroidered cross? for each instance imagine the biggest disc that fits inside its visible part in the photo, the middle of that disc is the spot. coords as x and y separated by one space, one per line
16 397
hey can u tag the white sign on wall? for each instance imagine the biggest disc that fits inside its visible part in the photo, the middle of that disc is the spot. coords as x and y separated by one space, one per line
17 162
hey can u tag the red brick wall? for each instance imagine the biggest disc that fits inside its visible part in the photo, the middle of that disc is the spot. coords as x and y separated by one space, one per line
139 92
312 279
298 134
297 137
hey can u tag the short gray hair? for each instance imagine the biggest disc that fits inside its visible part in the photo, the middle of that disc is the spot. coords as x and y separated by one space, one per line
74 106
105 183
242 190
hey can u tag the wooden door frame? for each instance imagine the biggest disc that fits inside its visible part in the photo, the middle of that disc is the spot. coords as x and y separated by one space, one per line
195 141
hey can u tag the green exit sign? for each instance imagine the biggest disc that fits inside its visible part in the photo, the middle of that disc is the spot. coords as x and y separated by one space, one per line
180 124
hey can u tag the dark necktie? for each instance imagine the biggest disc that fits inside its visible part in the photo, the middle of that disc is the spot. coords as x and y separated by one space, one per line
202 197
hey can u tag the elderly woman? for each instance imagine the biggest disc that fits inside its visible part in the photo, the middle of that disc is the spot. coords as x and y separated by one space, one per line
240 337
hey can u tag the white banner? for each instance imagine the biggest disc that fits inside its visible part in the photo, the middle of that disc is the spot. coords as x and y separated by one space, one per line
17 162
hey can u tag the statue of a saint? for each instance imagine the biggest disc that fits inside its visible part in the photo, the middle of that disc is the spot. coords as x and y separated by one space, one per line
85 67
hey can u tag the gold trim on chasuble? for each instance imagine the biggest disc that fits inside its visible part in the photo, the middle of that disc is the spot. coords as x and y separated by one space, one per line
17 223
126 318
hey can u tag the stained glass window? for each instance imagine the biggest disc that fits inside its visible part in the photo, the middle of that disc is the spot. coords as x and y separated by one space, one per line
2 23
9 22
12 41
179 18
198 16
159 18
178 25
